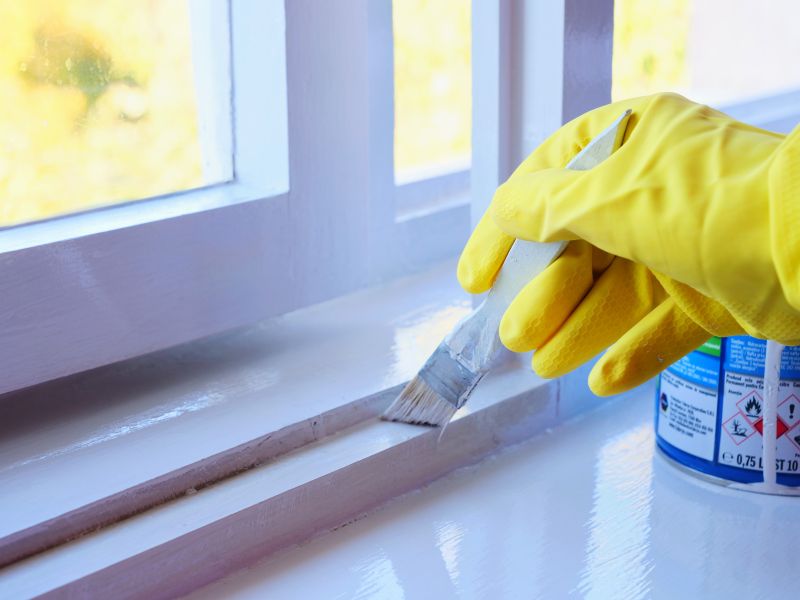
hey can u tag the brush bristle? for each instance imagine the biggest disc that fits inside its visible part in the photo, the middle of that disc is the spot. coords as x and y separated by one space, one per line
420 405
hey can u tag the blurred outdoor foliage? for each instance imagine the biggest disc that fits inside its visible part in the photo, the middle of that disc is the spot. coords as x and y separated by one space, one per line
433 86
433 96
99 100
650 40
98 104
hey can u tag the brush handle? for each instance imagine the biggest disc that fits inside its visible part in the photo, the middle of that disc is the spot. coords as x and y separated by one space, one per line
475 339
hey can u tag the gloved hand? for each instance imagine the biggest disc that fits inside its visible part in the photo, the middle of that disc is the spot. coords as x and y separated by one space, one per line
690 229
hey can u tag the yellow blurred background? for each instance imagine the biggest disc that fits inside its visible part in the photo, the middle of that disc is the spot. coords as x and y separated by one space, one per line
433 86
98 104
650 47
99 98
433 78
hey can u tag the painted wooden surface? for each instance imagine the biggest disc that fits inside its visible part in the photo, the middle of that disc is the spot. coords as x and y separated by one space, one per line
536 65
88 290
588 35
91 289
490 97
424 196
589 510
211 532
776 112
138 433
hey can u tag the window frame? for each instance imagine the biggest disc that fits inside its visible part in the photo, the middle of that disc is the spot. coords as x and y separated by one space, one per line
408 243
511 116
560 52
85 290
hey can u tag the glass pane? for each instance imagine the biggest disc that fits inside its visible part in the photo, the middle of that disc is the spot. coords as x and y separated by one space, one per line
432 87
101 103
713 51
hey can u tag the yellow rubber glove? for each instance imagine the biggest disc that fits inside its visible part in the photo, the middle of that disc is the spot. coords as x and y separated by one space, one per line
689 230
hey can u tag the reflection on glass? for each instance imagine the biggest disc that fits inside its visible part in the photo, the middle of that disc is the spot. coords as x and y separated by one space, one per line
715 51
433 94
99 105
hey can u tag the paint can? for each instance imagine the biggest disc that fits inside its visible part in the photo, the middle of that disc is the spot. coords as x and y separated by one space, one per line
709 409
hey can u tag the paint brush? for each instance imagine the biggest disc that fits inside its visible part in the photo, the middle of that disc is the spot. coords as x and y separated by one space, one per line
447 379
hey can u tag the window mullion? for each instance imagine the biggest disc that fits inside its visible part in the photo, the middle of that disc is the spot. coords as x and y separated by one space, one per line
537 64
329 146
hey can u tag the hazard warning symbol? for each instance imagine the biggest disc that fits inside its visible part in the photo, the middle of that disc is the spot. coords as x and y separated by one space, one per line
741 444
750 419
751 407
789 414
789 411
738 428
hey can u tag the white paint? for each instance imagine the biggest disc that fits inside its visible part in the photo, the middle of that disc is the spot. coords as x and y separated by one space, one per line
90 289
120 282
128 431
213 84
259 47
209 533
778 112
421 197
588 35
622 480
490 89
433 170
138 433
536 65
772 382
538 52
588 510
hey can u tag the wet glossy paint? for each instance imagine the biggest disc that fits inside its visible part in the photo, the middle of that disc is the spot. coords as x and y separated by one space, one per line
588 510
142 423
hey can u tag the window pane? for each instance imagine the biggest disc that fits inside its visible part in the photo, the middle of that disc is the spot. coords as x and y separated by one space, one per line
716 51
101 103
433 87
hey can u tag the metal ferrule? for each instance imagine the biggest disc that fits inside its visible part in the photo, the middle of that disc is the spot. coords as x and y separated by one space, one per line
448 377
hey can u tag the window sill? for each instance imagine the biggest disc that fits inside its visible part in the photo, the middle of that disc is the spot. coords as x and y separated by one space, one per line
775 112
297 395
589 510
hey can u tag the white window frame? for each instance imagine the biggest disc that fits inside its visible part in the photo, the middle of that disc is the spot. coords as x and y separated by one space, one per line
557 50
503 105
86 290
536 65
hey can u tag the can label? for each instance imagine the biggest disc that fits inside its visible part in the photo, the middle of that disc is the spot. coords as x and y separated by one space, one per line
710 406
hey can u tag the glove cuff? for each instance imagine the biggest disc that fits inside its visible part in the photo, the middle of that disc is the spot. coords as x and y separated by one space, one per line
784 185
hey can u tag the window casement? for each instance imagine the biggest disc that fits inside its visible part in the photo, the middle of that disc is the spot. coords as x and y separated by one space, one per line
96 288
89 289
206 456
